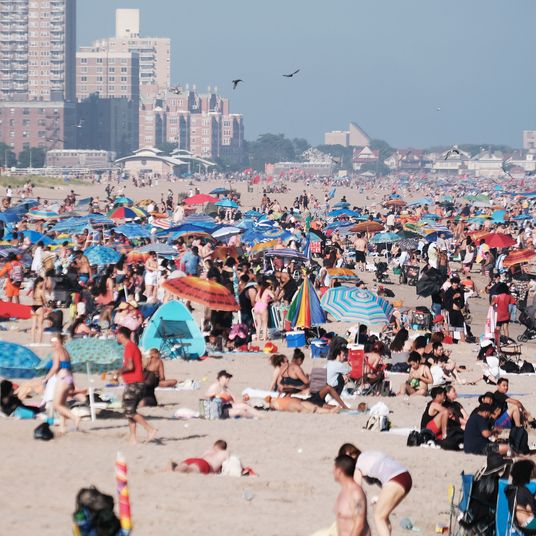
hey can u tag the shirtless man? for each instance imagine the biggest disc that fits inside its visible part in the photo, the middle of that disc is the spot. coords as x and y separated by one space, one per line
82 265
419 377
360 245
296 405
351 504
210 462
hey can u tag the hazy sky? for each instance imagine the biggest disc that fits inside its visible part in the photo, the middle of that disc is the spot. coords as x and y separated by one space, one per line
386 64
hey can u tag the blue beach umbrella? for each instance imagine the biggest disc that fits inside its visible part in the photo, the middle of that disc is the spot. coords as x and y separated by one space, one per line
17 361
351 304
133 230
227 203
219 191
102 255
385 238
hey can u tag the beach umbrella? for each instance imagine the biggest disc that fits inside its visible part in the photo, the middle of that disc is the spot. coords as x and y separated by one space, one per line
202 291
521 217
121 476
200 199
395 203
159 248
102 255
421 201
253 214
33 237
499 240
220 191
126 213
521 256
385 238
286 253
352 304
409 244
262 246
245 224
17 361
102 355
227 203
43 214
123 201
341 204
344 274
226 231
133 230
367 227
342 212
305 310
430 217
432 236
276 233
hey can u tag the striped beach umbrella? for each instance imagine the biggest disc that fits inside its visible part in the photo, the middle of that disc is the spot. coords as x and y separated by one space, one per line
367 227
343 274
351 304
520 256
305 310
127 213
43 214
202 291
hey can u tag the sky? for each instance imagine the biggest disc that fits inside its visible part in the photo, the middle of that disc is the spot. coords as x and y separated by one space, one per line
416 73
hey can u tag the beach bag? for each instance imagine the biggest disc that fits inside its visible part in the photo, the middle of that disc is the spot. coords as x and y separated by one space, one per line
210 409
43 432
526 368
378 423
16 274
94 515
414 439
519 440
453 441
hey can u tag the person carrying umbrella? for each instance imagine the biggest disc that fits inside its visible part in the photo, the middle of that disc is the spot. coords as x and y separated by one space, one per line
132 372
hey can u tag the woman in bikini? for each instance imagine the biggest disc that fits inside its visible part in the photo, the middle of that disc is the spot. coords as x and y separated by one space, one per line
38 310
154 376
62 369
292 379
263 298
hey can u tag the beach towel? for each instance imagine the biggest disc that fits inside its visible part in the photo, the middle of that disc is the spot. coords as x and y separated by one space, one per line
491 323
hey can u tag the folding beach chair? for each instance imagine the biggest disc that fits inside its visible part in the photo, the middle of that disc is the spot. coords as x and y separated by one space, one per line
174 335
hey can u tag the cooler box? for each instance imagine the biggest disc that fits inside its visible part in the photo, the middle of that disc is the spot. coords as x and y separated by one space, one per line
295 339
319 348
356 360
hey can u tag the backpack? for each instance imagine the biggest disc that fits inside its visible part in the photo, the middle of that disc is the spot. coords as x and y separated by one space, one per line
95 514
378 423
16 274
43 432
519 440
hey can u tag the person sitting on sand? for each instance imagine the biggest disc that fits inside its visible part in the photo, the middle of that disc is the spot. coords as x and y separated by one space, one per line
512 410
296 405
292 379
153 377
278 361
476 438
231 408
210 462
435 416
375 467
520 497
419 377
457 414
351 504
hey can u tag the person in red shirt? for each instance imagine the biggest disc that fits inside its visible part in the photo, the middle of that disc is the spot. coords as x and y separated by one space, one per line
502 301
132 372
13 271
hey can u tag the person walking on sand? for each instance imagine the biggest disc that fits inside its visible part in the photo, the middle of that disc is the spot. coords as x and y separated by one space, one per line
132 373
351 503
64 381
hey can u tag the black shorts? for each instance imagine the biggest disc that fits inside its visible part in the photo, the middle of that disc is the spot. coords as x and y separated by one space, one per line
502 322
132 396
360 256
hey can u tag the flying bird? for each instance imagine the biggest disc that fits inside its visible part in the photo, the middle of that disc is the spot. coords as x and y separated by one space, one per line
290 75
236 82
451 152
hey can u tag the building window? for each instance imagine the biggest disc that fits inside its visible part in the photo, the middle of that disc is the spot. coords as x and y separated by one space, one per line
99 60
83 78
83 60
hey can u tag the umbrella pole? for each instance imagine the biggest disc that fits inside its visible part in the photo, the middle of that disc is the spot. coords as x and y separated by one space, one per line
91 395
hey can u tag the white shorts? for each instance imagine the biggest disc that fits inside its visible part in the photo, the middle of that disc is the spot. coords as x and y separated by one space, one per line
151 279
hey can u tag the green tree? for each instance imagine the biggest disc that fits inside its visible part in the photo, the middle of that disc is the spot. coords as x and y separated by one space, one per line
342 156
32 157
300 146
6 153
167 147
270 148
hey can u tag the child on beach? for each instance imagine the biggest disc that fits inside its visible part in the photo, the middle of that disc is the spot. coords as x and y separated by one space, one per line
210 462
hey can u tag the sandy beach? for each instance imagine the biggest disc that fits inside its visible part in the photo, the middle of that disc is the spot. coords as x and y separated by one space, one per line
291 453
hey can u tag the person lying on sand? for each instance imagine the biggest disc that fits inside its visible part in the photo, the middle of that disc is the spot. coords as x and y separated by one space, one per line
231 408
296 405
209 463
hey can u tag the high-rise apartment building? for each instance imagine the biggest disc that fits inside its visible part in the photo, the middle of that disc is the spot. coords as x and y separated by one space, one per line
154 52
37 73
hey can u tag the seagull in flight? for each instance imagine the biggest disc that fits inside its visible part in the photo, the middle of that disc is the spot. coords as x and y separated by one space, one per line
290 75
236 82
451 152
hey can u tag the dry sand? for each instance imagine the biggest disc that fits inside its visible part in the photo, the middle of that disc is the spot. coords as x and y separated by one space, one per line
292 453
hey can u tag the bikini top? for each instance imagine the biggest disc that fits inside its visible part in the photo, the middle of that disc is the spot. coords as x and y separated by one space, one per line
65 365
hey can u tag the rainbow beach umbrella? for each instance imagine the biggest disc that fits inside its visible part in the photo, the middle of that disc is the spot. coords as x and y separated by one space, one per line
127 213
125 515
305 310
